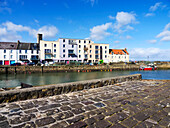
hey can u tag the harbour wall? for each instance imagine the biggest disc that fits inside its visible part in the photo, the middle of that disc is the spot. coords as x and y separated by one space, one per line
64 68
57 89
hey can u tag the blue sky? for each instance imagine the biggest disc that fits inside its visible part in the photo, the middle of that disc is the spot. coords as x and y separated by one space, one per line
142 26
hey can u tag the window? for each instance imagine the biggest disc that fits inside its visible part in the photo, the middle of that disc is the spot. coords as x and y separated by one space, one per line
63 45
54 50
90 56
54 55
89 42
32 51
47 50
4 56
34 57
63 50
37 51
79 51
84 41
84 46
4 51
105 47
96 52
96 47
125 57
96 57
19 51
11 56
11 51
54 45
25 51
105 56
72 46
79 56
63 40
22 57
90 51
79 41
90 46
119 57
112 57
64 55
45 45
112 53
105 51
70 51
79 46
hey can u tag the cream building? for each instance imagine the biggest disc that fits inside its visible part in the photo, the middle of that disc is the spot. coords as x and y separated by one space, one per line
97 52
118 55
49 50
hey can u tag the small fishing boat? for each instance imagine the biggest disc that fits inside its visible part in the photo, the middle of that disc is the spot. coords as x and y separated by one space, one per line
148 67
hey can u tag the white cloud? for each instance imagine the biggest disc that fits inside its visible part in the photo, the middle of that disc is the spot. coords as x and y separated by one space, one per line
165 34
149 14
167 27
4 7
91 1
111 17
128 37
123 21
156 6
153 53
100 32
116 41
152 41
36 21
10 31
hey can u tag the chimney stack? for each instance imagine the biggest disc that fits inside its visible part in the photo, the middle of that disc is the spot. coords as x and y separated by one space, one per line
39 37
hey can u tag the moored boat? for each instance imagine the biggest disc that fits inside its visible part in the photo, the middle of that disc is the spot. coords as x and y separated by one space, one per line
148 67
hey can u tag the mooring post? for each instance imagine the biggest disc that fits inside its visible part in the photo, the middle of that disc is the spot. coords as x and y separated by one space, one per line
15 70
6 70
42 69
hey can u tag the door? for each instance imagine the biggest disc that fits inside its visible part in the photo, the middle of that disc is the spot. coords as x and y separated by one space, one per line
6 62
12 61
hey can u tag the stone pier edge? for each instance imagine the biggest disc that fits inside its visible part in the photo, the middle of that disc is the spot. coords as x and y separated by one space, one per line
57 89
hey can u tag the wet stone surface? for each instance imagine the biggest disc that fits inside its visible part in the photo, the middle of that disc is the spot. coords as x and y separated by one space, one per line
129 104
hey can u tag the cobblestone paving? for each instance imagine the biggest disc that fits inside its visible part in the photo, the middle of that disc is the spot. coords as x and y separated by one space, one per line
138 104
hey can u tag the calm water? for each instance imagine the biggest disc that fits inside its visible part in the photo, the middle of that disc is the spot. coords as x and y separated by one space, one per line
54 78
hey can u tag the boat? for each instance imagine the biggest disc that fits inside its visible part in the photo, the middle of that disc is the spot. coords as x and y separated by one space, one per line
148 67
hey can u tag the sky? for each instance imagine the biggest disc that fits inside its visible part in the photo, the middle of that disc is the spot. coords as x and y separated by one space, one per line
141 26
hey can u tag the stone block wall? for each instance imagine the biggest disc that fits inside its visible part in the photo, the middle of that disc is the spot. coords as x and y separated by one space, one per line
64 68
56 89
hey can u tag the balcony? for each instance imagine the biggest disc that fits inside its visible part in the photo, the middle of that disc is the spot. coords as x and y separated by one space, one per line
85 49
73 43
85 57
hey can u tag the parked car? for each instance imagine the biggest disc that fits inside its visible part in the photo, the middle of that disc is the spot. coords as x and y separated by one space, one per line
31 64
16 64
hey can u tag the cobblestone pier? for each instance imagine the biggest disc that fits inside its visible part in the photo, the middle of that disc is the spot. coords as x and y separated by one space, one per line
138 104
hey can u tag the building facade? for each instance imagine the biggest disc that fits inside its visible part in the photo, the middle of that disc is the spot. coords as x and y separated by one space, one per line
118 55
49 51
17 52
63 50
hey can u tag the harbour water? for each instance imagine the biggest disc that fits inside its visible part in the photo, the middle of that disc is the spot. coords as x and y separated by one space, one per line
35 79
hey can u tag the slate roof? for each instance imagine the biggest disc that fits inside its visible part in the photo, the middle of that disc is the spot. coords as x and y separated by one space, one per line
8 45
20 46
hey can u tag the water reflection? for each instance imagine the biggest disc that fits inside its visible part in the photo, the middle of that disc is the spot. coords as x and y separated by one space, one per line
54 78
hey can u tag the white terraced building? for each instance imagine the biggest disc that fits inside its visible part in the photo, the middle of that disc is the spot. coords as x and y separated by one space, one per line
118 55
13 52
